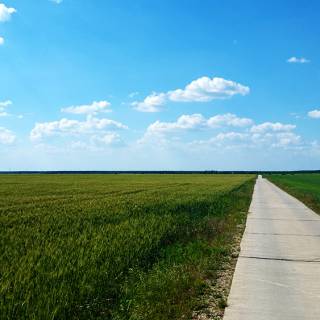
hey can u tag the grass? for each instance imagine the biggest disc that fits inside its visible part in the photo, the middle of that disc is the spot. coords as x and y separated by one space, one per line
305 187
114 246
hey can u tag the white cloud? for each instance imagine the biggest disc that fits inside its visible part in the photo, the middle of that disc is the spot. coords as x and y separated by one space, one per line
285 139
3 107
223 140
5 104
93 108
152 103
272 126
110 138
203 89
230 136
133 94
1 41
245 133
314 114
185 122
6 136
57 1
198 122
249 140
229 119
98 143
298 60
73 127
5 12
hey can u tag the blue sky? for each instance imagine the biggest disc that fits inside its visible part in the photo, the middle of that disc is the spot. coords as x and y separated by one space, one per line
125 85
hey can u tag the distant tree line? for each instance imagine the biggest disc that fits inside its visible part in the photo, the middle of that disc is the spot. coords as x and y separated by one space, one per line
162 172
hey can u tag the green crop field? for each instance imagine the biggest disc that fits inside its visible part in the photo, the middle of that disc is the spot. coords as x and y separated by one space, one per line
114 246
305 187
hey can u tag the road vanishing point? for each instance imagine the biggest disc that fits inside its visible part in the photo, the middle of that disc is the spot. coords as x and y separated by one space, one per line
277 275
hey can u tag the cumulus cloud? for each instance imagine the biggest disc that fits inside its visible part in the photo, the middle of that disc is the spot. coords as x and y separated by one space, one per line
285 139
1 41
185 122
224 140
89 109
151 103
3 106
204 89
251 140
274 134
244 133
73 127
314 114
272 126
198 121
6 12
6 136
229 119
98 142
298 60
230 136
110 138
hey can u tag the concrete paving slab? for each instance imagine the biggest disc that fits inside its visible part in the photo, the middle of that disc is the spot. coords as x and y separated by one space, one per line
278 271
283 227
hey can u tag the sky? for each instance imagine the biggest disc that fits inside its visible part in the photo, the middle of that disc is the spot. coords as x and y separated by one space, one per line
159 85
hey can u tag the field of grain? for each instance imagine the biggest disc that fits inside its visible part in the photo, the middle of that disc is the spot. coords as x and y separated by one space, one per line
305 187
114 246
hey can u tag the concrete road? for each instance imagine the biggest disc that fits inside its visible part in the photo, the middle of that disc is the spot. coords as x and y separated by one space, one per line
277 276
